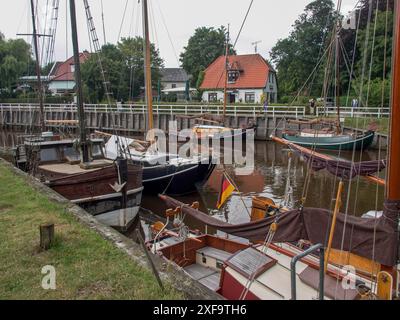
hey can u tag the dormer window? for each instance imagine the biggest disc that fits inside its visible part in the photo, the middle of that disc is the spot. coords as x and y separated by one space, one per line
233 75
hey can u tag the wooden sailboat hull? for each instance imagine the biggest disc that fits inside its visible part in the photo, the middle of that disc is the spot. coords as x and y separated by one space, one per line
344 142
93 190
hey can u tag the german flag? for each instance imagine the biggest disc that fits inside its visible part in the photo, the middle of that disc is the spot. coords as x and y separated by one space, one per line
227 189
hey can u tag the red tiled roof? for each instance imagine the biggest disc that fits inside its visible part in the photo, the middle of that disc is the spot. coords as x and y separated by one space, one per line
63 72
253 72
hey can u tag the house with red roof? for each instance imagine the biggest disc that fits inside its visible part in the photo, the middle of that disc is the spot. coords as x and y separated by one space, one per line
250 77
62 77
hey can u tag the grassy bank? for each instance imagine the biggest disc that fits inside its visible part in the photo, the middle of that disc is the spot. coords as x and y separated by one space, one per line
87 266
363 123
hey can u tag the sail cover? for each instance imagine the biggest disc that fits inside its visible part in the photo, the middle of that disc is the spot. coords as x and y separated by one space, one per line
340 168
374 239
346 169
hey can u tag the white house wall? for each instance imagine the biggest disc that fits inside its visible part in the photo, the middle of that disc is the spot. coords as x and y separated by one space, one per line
60 86
168 85
240 95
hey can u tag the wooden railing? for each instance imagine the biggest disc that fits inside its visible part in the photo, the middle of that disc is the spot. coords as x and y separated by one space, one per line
350 112
242 110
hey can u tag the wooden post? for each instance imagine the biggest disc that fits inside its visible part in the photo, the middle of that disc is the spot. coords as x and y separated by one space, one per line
333 226
46 236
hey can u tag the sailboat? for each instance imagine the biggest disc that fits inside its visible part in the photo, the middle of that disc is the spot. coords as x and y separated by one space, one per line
77 168
163 172
302 254
331 137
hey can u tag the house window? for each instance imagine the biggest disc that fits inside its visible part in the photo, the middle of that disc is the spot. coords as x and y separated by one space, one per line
212 97
173 86
250 97
232 76
72 68
271 78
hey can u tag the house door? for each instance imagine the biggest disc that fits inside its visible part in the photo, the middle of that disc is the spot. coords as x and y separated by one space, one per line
232 98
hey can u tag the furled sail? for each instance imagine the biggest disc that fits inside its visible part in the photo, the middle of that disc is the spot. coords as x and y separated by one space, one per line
374 239
340 168
345 169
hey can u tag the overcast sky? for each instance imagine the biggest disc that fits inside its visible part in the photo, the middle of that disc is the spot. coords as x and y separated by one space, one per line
268 21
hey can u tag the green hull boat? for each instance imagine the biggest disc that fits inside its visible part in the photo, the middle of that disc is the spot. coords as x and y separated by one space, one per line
340 142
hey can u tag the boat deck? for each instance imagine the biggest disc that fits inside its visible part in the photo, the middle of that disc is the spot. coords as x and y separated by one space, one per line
203 273
66 168
206 276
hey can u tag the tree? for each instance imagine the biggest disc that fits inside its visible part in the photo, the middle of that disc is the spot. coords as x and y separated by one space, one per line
124 67
15 61
206 45
132 52
296 56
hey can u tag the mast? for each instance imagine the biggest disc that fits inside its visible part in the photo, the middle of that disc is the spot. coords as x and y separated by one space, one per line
39 80
393 184
337 91
78 86
226 74
147 67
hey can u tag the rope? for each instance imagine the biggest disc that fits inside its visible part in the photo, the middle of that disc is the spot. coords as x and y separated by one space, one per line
244 21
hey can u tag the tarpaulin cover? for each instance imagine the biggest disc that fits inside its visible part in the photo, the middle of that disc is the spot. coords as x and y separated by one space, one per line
374 239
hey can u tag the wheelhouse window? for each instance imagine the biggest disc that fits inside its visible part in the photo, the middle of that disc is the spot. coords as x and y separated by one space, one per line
71 154
212 97
250 97
96 151
49 155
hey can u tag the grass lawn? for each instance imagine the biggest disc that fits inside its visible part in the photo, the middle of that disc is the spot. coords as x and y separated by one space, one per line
87 266
363 123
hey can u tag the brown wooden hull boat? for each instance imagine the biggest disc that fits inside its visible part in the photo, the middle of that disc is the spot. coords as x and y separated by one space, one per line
98 186
93 189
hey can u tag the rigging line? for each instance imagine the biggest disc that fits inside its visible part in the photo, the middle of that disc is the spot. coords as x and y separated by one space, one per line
122 22
132 20
353 58
168 33
380 142
243 23
384 54
103 22
372 51
153 23
364 65
44 32
312 72
349 70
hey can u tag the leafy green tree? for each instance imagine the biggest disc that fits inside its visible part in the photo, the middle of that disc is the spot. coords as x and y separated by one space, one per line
132 52
296 56
15 61
206 45
124 67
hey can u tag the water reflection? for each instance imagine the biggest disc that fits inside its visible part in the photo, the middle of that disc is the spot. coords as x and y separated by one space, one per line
269 180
